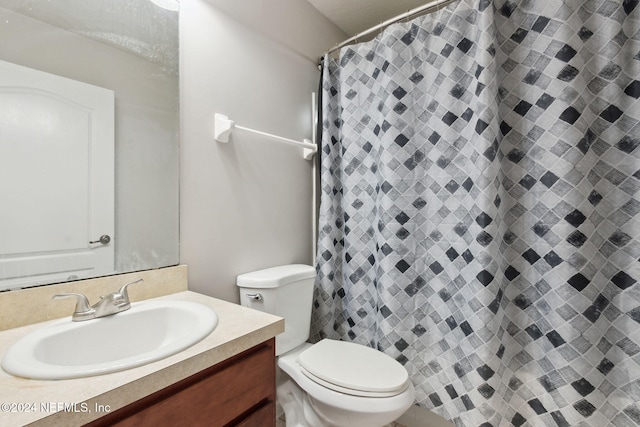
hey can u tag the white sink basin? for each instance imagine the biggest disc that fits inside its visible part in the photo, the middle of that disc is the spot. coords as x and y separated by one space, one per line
149 331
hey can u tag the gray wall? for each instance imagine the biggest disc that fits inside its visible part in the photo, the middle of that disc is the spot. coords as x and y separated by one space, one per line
246 205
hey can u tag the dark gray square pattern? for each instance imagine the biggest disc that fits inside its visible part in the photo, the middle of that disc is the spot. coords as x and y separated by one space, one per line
480 209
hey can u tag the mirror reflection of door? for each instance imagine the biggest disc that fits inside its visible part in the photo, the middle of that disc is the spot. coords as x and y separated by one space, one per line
51 209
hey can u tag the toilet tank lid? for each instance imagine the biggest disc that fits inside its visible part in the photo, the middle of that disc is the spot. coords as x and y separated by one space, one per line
275 276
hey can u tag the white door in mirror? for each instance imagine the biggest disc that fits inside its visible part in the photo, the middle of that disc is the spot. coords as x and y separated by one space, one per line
56 178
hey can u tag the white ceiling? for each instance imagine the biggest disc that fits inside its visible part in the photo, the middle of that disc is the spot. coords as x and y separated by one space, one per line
137 26
354 16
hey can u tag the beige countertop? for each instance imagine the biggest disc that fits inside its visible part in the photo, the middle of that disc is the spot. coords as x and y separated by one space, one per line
75 402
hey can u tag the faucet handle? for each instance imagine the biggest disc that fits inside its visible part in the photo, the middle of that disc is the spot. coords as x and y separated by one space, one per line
123 289
82 303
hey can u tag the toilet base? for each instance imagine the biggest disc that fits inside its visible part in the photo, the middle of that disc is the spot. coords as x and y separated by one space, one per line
297 410
301 410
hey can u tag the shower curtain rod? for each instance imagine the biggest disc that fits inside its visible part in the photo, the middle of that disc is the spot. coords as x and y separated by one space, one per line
429 7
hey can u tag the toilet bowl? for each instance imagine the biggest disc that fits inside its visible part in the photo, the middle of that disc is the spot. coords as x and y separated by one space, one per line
336 404
330 383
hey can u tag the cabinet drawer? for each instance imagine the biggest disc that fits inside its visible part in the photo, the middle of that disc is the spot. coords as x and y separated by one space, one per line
239 390
264 416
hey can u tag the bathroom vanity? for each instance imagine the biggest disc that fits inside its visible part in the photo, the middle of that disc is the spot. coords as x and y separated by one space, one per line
228 378
239 391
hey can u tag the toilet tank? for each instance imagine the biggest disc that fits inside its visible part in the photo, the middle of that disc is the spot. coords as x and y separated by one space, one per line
286 291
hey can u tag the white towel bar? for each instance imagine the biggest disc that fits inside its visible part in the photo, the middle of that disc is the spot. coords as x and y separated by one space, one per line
224 126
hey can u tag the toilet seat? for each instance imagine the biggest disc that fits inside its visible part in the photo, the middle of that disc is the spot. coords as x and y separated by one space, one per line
353 369
319 394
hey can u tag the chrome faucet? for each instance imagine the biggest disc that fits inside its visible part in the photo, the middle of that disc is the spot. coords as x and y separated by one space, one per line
108 304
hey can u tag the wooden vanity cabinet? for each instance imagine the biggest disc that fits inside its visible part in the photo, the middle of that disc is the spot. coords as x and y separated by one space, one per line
239 391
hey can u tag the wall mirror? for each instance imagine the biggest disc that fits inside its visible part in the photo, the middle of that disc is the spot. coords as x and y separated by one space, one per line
127 50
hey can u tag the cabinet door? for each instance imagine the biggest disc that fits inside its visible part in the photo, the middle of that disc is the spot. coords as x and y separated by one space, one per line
238 392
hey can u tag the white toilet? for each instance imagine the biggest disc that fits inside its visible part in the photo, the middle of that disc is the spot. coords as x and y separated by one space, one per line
331 383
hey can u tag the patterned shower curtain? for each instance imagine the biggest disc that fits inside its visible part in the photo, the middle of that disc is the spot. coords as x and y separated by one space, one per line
480 209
